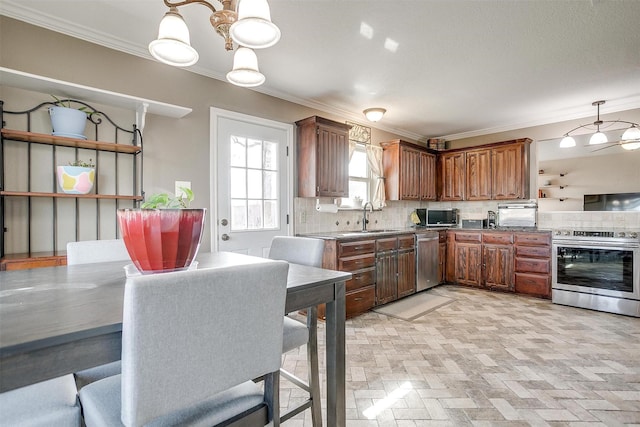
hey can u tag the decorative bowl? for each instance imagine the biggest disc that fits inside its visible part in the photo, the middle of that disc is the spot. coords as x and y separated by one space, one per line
75 179
161 240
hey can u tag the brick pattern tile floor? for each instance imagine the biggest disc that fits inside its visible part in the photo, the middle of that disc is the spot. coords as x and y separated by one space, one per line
487 359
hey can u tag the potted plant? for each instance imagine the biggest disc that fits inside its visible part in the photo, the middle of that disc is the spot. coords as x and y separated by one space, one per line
68 121
164 234
77 177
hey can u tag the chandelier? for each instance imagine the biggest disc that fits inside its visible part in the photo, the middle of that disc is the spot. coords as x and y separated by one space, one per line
630 139
250 27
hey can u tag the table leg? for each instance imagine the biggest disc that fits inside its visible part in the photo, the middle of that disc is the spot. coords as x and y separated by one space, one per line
336 370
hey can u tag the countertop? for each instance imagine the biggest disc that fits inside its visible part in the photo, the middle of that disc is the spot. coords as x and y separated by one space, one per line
359 234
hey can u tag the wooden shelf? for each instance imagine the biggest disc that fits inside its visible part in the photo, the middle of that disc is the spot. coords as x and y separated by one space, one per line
68 196
43 138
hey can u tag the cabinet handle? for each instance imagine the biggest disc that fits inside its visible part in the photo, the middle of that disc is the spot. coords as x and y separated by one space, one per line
358 299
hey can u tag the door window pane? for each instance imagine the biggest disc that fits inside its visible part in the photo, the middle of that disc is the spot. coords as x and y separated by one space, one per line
254 184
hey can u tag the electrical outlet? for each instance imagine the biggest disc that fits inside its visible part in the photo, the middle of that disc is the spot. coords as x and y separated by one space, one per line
303 217
185 184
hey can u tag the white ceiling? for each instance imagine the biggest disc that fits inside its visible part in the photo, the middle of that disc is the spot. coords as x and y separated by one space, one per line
461 68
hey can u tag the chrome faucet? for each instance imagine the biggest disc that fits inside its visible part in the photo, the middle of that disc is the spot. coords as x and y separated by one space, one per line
364 215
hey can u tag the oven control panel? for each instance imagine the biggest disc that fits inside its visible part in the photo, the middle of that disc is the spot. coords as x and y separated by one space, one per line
604 235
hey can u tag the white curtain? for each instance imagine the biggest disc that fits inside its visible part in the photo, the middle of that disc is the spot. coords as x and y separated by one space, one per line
352 148
374 158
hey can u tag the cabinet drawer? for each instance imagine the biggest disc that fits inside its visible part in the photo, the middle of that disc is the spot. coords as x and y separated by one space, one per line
360 301
356 248
356 262
533 238
468 237
386 244
406 242
534 251
497 238
360 279
532 265
533 284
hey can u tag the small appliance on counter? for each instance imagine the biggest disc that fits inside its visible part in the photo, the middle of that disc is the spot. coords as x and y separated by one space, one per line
492 221
522 214
474 223
442 217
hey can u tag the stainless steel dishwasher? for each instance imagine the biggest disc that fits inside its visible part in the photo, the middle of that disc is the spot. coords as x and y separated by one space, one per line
427 260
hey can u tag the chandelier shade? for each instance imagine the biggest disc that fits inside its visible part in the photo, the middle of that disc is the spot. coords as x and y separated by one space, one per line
254 28
245 71
598 138
374 114
567 142
173 45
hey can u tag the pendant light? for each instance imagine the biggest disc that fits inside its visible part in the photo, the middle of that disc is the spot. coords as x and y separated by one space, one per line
631 138
254 28
173 45
245 71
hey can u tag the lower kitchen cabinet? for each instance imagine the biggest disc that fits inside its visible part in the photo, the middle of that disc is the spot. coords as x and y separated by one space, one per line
442 257
386 270
533 264
406 266
481 259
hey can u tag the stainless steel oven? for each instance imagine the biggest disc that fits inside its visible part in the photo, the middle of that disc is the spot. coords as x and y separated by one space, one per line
597 269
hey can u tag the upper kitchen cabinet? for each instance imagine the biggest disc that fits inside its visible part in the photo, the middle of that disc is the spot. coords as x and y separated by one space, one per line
452 176
409 171
510 170
498 171
323 158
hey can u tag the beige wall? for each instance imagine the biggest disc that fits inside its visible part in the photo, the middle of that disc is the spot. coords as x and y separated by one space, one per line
175 149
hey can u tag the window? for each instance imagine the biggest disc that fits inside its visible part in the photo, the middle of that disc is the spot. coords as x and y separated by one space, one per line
359 178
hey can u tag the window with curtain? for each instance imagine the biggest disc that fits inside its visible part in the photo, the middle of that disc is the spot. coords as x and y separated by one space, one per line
359 177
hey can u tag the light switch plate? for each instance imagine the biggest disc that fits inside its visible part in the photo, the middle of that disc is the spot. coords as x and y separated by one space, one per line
185 184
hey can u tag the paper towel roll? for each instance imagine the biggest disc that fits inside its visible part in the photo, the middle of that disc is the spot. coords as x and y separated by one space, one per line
327 207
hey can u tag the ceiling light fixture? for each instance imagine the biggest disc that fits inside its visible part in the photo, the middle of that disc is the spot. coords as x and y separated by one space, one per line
374 114
249 27
630 138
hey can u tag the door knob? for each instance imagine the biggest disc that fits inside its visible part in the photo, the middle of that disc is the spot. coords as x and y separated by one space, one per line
224 222
225 237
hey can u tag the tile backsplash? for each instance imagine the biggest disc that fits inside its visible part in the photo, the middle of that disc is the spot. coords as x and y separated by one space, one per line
396 215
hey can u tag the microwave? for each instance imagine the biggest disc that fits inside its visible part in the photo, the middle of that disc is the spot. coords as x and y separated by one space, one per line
442 217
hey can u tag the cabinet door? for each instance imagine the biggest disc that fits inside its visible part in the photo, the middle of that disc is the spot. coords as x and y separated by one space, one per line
332 174
428 176
409 174
386 273
468 263
508 172
452 172
406 272
478 175
498 267
442 262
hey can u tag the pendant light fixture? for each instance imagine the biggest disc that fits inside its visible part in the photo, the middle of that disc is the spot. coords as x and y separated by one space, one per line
254 30
374 114
245 71
630 138
253 27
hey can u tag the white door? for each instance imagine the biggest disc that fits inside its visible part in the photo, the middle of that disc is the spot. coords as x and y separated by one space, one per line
251 189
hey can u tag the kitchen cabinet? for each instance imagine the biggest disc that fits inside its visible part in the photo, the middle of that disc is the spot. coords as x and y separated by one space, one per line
442 256
386 270
359 258
406 265
498 171
497 261
478 175
480 259
409 171
533 264
510 171
451 182
323 158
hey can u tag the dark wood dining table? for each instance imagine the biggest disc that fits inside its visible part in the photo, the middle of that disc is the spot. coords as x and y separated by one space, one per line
59 320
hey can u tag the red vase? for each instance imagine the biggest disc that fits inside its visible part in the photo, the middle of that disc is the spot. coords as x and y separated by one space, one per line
161 240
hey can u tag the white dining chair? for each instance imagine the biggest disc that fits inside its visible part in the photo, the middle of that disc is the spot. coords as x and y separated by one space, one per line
87 252
48 403
305 251
192 342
